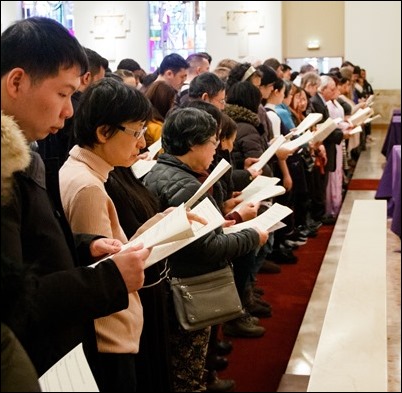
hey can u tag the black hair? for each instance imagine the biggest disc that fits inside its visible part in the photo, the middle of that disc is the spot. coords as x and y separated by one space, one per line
244 94
207 107
41 46
173 62
128 64
187 127
238 72
108 102
207 82
96 61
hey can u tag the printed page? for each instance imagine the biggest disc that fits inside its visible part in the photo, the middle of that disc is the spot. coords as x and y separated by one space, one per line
370 119
257 190
323 130
264 221
154 148
142 167
174 226
70 374
268 154
309 121
300 141
360 115
213 177
356 130
370 100
204 209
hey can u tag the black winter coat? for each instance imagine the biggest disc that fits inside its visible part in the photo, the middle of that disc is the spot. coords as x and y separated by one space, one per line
65 298
173 182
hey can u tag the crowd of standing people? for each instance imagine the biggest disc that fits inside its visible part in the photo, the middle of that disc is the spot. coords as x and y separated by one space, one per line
71 131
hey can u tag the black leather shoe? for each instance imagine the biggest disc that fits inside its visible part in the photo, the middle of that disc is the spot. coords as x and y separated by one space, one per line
215 362
282 256
215 384
328 220
224 347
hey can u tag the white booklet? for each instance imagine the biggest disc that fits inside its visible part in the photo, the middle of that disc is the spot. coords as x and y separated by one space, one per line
360 115
265 221
370 119
213 177
142 167
370 100
356 130
154 148
309 121
262 187
205 209
174 226
323 130
300 141
268 154
70 374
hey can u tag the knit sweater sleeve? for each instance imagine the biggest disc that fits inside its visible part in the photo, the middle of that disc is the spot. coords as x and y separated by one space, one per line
92 211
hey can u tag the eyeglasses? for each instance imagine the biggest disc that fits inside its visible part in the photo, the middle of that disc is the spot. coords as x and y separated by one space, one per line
221 101
135 133
215 143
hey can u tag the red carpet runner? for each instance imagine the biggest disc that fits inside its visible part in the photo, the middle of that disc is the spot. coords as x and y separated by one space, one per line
363 184
257 364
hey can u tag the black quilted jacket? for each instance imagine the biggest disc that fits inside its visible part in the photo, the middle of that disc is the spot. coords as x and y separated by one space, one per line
173 183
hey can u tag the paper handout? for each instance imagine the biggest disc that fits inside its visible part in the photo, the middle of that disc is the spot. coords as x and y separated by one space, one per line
323 130
300 141
213 177
142 167
262 187
356 130
309 121
70 374
154 148
268 154
264 221
174 226
370 119
205 209
361 114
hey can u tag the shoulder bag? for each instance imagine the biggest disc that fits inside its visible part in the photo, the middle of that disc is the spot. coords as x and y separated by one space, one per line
206 300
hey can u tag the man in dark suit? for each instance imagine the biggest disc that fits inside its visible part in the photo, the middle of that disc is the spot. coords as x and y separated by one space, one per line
325 92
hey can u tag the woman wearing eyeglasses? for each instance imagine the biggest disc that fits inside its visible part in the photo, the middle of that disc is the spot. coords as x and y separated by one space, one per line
189 139
109 130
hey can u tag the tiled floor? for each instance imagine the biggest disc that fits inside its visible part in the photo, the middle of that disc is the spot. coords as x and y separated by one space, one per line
370 166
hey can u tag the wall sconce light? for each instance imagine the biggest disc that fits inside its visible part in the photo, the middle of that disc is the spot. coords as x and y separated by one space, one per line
313 44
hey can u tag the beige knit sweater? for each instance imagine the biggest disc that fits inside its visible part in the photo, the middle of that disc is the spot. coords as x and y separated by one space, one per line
89 209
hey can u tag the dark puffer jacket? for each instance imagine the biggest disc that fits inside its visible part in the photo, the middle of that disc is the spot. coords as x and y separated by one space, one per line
173 182
251 139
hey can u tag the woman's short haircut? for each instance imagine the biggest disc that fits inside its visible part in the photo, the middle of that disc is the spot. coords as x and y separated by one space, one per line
187 127
244 94
108 103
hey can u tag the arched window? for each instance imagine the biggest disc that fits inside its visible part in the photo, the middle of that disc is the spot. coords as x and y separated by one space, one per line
175 26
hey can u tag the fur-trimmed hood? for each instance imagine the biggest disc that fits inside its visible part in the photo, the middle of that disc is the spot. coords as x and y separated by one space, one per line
241 114
15 154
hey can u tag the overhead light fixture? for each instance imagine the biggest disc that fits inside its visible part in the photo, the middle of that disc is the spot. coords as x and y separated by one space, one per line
313 44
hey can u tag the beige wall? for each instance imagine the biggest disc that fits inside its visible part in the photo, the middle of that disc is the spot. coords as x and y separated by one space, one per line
371 33
303 21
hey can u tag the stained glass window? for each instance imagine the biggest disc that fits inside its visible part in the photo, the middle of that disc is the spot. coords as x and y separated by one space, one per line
175 26
62 11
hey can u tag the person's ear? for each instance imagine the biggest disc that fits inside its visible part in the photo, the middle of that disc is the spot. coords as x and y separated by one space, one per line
102 134
14 81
